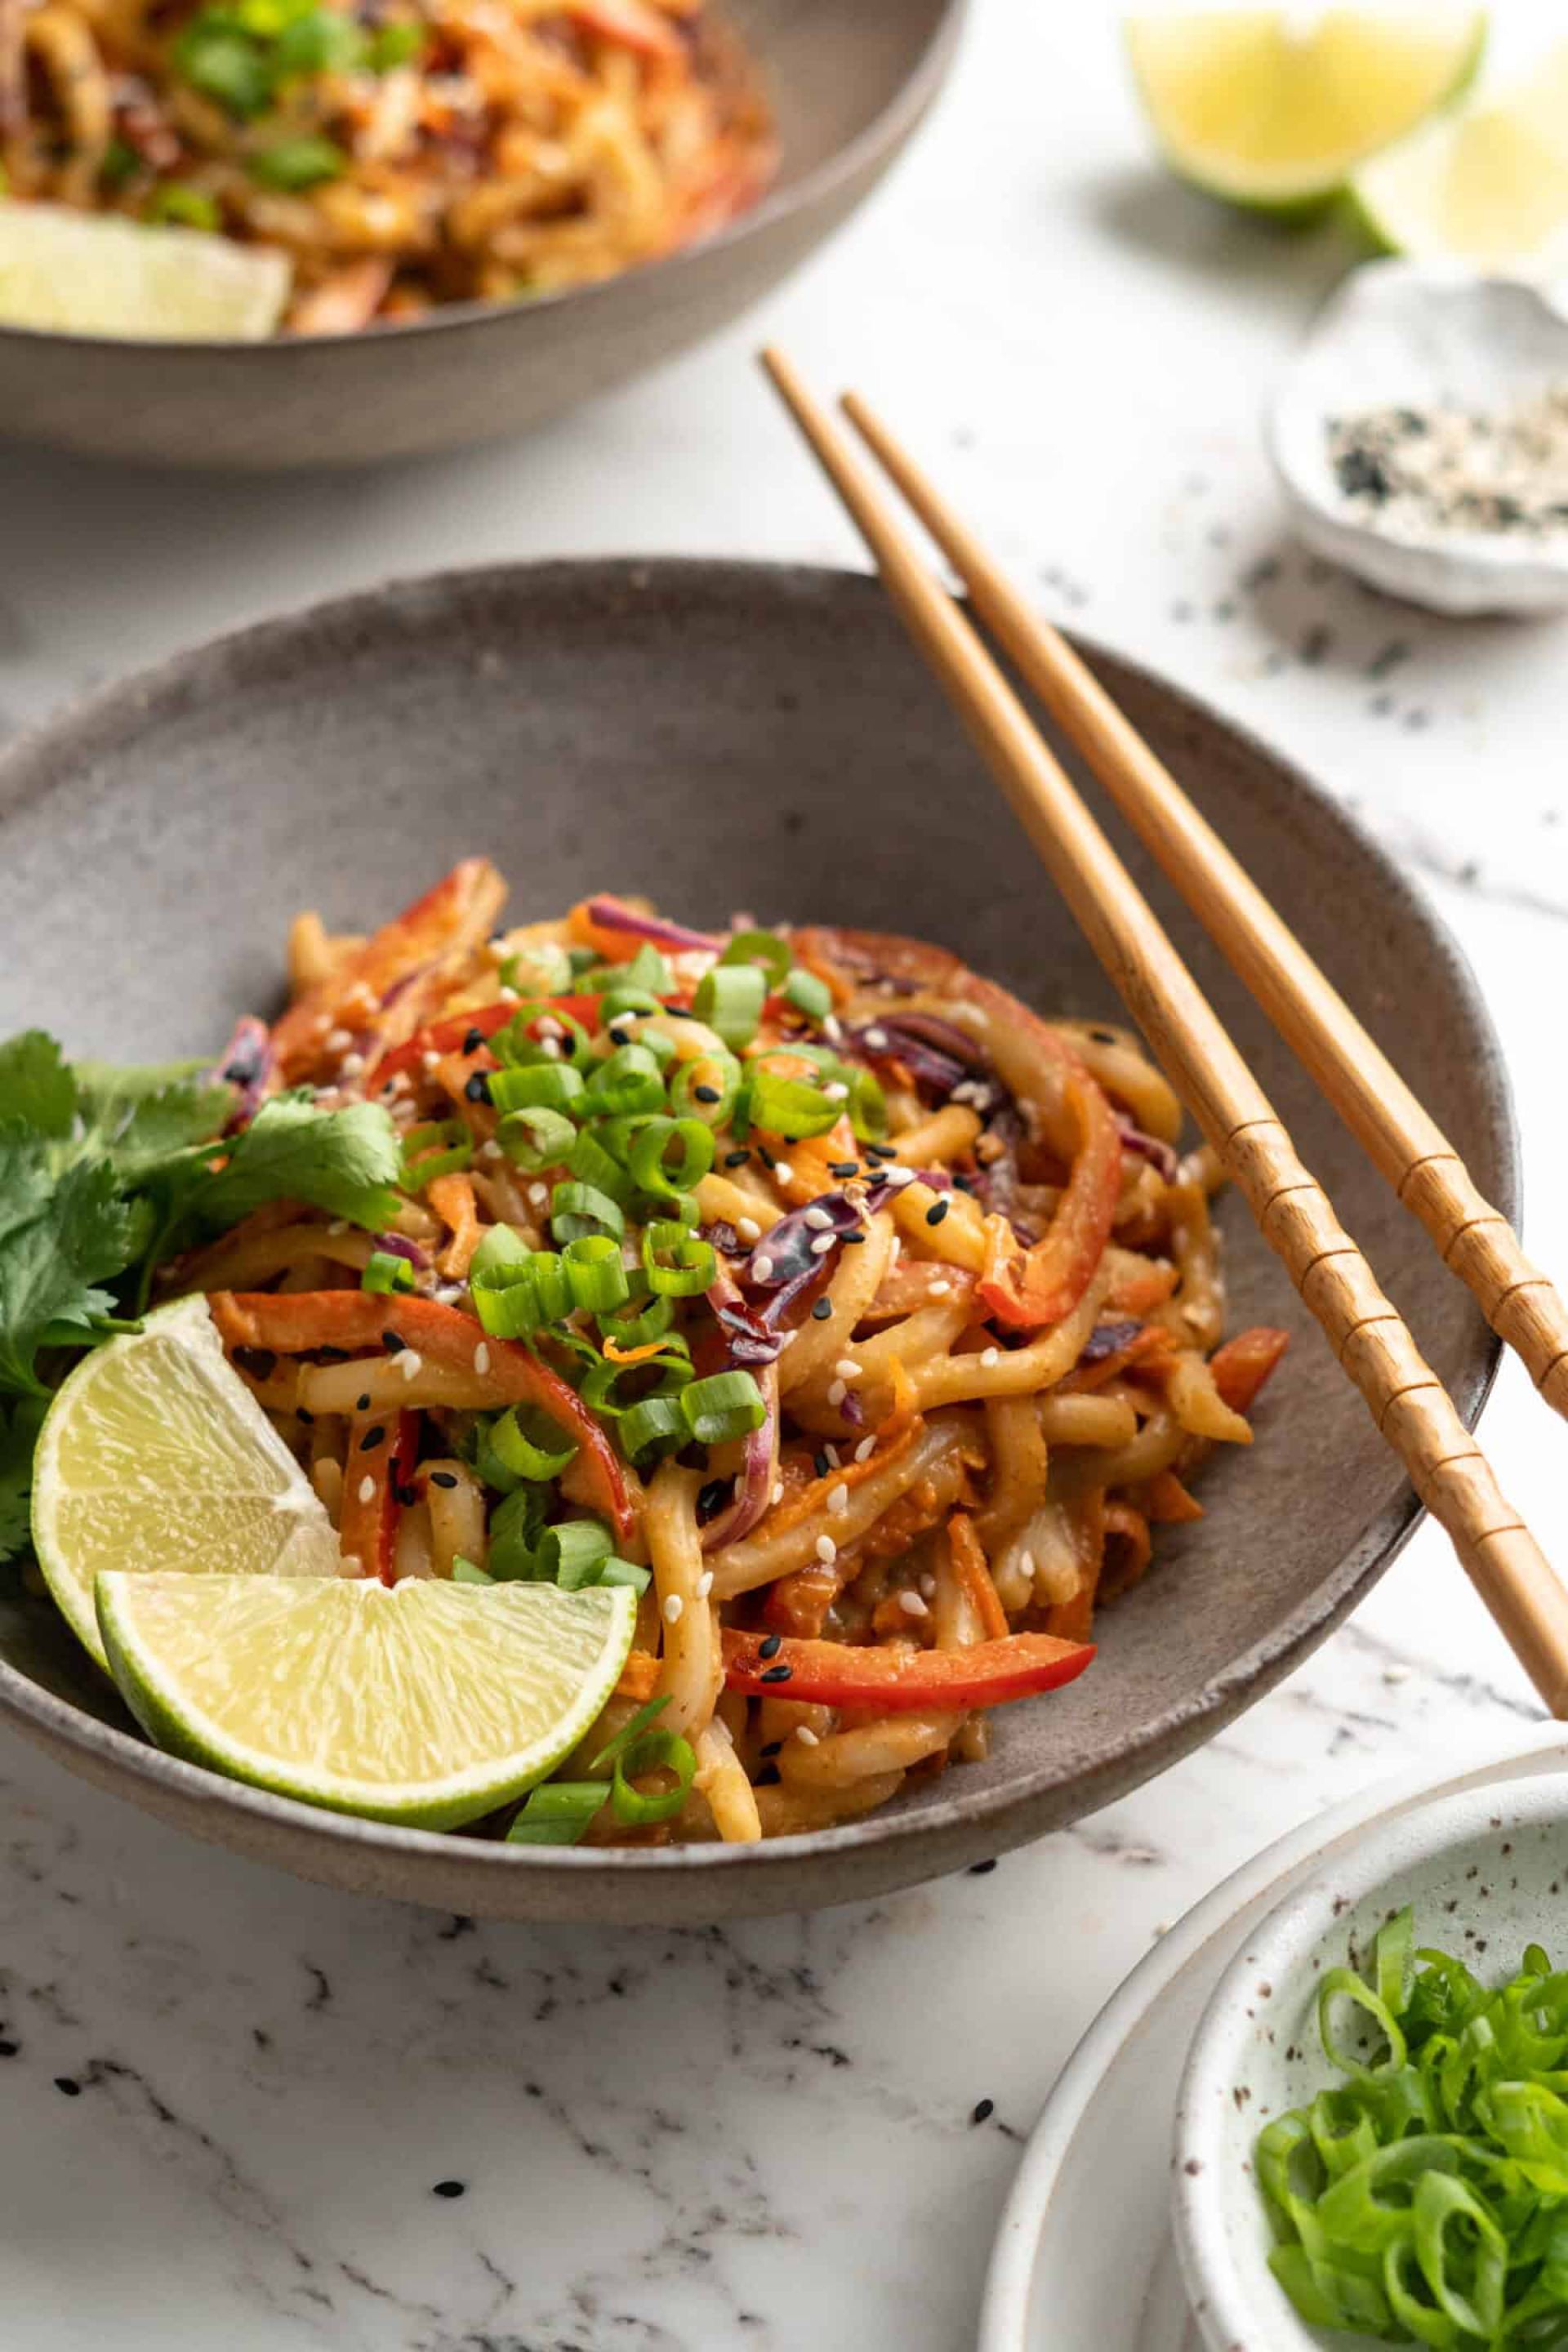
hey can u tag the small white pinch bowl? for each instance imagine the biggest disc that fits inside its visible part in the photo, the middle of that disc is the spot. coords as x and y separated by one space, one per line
1416 334
1486 1874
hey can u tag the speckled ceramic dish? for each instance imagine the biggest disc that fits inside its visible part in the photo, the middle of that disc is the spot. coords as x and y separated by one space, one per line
847 83
1483 1872
724 736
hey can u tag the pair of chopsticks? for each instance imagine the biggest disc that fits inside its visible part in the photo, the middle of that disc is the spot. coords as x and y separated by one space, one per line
1410 1406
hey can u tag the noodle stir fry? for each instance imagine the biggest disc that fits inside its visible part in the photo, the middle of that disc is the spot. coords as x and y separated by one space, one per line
402 153
865 1323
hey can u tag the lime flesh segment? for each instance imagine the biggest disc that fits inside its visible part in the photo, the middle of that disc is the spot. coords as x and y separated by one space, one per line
64 272
425 1703
1253 108
155 1455
1488 185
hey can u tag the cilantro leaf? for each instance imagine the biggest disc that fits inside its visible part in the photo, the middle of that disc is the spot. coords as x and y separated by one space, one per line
142 1117
17 1438
36 1086
344 1161
25 1179
50 1269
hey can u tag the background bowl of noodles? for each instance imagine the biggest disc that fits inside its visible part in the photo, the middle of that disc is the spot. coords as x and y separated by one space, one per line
723 736
844 87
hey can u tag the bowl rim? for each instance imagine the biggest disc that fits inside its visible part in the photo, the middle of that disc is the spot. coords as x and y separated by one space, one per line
1314 1903
1013 1810
779 203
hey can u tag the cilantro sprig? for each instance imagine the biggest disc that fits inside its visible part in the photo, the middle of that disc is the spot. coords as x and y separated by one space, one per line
105 1174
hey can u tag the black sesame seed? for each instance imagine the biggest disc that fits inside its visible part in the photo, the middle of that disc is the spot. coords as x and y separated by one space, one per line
768 1776
450 2189
361 1404
822 1310
843 1168
306 1416
443 1478
775 1675
1103 1037
849 1238
881 1151
709 1497
773 1748
936 1213
821 1464
478 1090
391 1343
771 1647
8 2049
765 1155
372 1438
406 1495
620 1038
707 1094
979 1869
66 2088
737 1159
473 1041
982 2109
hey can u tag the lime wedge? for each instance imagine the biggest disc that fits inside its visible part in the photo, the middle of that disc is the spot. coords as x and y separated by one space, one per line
1251 105
426 1702
95 274
1488 185
154 1454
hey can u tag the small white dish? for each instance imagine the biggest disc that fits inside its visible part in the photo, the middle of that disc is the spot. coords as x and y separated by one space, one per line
1061 2279
1484 1871
1418 335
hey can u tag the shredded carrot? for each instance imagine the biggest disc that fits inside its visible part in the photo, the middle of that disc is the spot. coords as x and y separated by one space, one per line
638 1675
1167 1502
452 1198
974 1573
1122 1519
903 1414
1244 1363
1140 1293
814 1498
1147 1349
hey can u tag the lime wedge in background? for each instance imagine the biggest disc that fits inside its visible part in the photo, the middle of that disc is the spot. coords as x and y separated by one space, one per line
426 1702
94 274
1265 109
1488 184
155 1455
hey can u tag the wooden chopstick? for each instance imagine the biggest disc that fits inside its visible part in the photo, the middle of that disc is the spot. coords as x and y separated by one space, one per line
1403 1141
1412 1410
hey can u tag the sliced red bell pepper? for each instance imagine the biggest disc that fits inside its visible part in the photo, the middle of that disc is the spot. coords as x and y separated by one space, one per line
446 1036
1244 1363
289 1322
1026 1289
901 1681
457 913
373 1479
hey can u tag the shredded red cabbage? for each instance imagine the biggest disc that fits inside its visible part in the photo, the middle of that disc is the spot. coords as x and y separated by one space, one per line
246 1063
1108 1339
399 1245
1147 1146
610 915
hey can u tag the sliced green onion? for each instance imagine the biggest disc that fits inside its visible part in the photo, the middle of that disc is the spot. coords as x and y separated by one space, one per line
653 1426
441 1147
808 994
633 1728
677 1263
186 207
705 1088
296 165
591 1161
594 1274
515 1528
791 1106
323 42
652 1751
398 43
523 1455
725 1405
508 1310
501 1256
1342 1984
1391 1961
467 1572
649 1320
571 1553
533 1140
649 970
225 64
548 1086
649 1158
625 1082
558 1813
729 999
763 948
625 1571
386 1271
669 1370
576 1209
625 999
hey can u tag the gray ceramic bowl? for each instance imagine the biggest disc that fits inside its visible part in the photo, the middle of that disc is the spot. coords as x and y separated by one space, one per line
849 81
727 736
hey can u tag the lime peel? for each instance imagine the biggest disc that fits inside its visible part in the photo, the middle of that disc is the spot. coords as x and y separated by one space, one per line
74 273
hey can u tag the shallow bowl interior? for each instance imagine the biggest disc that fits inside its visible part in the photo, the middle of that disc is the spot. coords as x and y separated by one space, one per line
1483 1872
729 736
847 85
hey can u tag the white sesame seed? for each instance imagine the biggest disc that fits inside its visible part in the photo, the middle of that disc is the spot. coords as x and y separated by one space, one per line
897 1177
989 1356
508 995
429 1060
351 1066
895 1251
491 1150
805 1734
1027 1565
705 1584
864 1450
410 1362
928 1586
539 1195
551 1048
762 1269
778 1490
548 1025
941 1289
839 1498
445 1293
783 1172
826 1551
832 1453
366 1489
822 1245
674 1608
832 1028
748 1229
912 1605
338 1041
339 1226
819 1221
481 1357
836 1091
322 1024
875 1038
836 1393
847 1369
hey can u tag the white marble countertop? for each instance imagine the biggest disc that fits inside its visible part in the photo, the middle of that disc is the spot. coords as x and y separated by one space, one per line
230 2098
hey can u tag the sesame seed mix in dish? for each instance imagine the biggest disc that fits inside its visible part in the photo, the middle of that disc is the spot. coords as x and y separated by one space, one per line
816 1333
